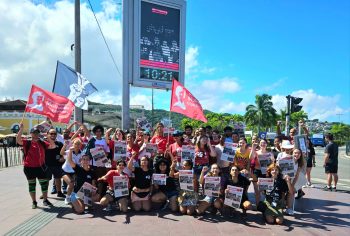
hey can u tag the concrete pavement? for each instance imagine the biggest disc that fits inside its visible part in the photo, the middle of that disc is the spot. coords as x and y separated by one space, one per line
318 213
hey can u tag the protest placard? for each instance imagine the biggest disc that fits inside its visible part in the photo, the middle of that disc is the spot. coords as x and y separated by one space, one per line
85 193
120 185
152 149
159 179
186 180
286 163
228 154
265 183
265 160
44 127
212 186
187 153
233 196
300 143
120 149
99 156
143 123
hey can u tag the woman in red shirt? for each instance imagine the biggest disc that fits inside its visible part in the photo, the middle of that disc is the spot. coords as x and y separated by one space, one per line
204 154
160 139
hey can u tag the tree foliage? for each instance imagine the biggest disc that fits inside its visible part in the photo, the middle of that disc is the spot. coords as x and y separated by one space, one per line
341 131
262 114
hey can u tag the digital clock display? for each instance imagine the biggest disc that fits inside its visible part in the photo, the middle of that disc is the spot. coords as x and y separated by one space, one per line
159 42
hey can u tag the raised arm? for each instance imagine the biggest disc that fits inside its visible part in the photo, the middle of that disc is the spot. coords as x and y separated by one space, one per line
201 177
19 134
131 164
69 157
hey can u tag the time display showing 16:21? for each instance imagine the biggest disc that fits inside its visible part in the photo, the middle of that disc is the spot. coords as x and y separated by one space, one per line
158 74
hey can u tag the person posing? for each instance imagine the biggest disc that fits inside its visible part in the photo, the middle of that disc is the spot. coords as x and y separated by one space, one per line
256 173
34 163
204 154
160 139
276 147
209 201
215 137
187 199
237 180
242 160
223 165
168 193
331 162
175 149
83 173
118 135
273 205
54 161
310 162
110 196
68 171
141 192
297 181
98 141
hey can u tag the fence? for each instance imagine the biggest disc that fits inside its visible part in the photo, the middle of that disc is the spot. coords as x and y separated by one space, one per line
10 156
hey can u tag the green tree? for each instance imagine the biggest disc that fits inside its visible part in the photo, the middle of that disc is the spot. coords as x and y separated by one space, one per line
341 131
296 116
262 113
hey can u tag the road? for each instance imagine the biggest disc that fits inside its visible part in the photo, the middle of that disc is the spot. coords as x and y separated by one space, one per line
319 177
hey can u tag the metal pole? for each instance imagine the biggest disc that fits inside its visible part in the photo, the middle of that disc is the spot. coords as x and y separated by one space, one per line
78 113
152 121
126 67
287 116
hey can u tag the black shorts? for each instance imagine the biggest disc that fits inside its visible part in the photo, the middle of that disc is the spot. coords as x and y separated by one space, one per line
35 172
309 162
55 171
116 199
331 169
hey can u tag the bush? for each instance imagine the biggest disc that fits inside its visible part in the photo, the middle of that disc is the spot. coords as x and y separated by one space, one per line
339 143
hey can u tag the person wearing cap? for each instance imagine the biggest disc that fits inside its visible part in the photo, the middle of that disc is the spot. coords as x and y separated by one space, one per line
34 163
175 149
161 140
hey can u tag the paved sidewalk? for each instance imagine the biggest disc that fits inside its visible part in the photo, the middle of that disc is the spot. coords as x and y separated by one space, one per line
318 213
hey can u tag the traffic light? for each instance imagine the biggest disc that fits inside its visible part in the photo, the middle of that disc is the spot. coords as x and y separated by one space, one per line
294 107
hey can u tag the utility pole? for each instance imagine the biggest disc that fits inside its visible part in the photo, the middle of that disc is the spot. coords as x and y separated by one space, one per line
287 115
152 120
339 115
78 113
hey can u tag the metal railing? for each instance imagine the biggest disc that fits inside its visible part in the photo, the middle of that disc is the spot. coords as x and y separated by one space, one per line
10 156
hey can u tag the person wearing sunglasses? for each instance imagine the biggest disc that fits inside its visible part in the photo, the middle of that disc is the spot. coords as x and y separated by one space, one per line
54 161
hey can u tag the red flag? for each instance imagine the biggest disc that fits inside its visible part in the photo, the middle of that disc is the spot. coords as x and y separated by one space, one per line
54 106
183 102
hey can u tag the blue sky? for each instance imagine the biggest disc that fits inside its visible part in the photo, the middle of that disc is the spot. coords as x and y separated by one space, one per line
237 48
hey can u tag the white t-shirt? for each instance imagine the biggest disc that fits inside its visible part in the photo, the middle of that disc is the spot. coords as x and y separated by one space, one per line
66 167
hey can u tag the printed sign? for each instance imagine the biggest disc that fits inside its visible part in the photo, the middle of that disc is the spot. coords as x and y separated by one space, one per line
120 186
265 183
99 156
120 149
143 123
186 180
228 154
85 193
187 153
44 127
152 148
286 163
212 186
159 179
264 160
300 143
233 196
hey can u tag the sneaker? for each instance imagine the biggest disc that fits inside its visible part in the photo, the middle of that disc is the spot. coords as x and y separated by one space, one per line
53 191
300 194
165 206
334 189
67 200
34 205
47 203
326 188
289 212
61 195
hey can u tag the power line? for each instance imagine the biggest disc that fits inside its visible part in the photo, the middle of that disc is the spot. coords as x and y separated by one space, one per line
110 53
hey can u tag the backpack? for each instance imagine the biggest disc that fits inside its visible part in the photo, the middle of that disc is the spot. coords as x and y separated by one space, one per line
26 148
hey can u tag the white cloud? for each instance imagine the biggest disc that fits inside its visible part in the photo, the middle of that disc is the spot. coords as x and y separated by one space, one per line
317 106
191 59
271 87
224 85
33 37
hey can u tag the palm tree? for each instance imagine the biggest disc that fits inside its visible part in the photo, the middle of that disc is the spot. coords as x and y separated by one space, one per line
262 113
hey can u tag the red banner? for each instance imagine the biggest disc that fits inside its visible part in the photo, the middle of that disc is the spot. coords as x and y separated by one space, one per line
54 106
183 102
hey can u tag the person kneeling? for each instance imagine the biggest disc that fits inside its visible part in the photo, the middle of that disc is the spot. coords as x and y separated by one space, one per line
111 196
273 205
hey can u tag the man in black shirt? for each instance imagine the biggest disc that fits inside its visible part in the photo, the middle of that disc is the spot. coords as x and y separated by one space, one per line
331 162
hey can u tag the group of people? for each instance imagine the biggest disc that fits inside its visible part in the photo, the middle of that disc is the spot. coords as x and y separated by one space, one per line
71 157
